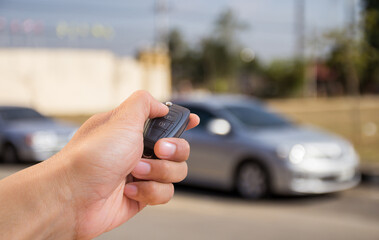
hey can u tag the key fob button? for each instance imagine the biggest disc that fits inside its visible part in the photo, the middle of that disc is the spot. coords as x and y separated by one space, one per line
169 128
172 116
162 123
155 134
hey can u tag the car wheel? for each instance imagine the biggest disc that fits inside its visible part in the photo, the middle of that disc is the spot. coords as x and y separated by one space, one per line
251 181
9 154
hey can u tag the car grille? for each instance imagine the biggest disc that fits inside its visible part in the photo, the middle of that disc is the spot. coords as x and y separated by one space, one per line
323 151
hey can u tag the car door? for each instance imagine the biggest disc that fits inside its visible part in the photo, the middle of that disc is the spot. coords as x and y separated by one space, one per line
210 160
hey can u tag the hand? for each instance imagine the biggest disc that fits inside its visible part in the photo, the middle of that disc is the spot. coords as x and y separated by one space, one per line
81 192
105 150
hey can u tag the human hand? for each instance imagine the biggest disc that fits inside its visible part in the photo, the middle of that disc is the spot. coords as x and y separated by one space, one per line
102 153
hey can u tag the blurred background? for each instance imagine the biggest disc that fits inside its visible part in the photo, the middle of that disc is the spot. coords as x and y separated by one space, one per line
313 62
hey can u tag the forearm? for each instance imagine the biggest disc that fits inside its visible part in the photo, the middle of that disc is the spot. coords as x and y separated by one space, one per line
81 191
36 204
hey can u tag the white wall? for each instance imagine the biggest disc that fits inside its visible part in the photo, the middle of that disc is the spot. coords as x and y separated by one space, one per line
71 82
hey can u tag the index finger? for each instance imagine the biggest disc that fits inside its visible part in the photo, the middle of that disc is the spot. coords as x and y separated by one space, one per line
193 122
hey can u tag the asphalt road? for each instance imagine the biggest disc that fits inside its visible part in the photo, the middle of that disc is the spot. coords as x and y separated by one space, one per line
204 214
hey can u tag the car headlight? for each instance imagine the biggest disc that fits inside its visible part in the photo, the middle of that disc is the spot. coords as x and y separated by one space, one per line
294 154
297 154
43 139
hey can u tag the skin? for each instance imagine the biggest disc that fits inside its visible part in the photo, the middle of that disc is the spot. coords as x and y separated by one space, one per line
83 191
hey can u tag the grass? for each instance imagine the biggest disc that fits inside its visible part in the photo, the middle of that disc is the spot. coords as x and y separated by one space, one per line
355 120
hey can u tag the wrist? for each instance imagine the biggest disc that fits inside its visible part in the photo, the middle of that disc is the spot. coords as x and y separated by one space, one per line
38 203
56 186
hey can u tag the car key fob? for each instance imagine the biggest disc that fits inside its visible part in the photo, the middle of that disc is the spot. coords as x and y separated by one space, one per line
171 125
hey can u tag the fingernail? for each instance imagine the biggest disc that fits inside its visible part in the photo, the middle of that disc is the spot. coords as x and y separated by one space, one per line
130 189
167 149
142 168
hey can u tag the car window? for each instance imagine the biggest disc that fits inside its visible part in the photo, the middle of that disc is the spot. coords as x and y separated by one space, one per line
205 115
15 114
257 117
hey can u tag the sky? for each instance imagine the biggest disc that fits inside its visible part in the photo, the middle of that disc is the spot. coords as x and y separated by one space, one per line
271 32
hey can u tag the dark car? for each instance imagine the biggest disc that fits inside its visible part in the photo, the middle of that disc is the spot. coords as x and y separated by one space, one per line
26 135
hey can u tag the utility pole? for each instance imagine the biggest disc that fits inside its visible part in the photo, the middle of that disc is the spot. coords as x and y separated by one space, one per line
353 81
161 9
309 74
299 27
353 78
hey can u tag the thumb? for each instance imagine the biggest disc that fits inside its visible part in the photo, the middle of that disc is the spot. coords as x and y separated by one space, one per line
137 108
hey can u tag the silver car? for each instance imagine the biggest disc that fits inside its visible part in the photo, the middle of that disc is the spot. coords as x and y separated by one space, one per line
241 145
26 135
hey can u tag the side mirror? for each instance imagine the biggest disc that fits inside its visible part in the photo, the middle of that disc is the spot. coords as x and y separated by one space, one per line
219 126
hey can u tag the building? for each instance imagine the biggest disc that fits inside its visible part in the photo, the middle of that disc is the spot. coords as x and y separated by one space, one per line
79 81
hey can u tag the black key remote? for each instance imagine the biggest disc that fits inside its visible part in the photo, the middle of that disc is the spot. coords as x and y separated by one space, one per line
171 125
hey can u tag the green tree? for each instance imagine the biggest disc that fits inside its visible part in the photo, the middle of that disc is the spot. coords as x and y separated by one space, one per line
346 59
220 52
186 63
177 46
284 78
370 80
215 62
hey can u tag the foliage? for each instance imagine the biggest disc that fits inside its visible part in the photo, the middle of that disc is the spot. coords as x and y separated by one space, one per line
354 58
285 78
345 58
216 63
186 63
370 77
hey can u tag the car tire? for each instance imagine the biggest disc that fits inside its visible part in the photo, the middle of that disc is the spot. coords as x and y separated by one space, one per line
9 154
252 181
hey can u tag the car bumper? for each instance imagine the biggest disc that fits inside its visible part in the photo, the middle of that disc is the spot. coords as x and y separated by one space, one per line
288 180
319 185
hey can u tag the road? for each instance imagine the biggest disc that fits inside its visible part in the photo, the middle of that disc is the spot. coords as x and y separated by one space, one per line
204 214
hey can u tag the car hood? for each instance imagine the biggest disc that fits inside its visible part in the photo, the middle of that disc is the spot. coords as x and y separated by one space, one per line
31 126
292 135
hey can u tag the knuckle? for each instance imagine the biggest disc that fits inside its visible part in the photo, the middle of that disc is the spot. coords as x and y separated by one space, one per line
152 190
182 145
114 113
95 119
184 148
158 193
183 172
154 193
171 192
165 169
141 94
142 98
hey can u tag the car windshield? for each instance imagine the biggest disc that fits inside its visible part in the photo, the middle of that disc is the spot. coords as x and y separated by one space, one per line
257 117
14 114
